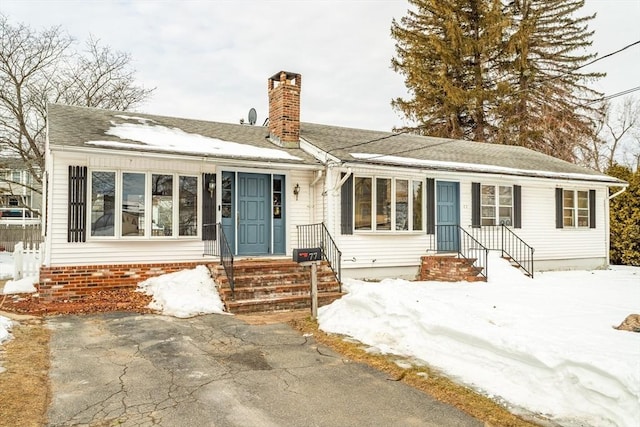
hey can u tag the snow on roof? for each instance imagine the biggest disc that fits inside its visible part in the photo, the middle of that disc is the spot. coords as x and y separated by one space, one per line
162 138
408 161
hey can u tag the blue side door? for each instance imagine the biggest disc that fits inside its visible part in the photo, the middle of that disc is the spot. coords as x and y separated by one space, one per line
254 219
447 215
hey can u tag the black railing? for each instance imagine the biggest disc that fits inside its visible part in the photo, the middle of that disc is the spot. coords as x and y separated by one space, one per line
317 236
502 238
453 238
216 244
517 250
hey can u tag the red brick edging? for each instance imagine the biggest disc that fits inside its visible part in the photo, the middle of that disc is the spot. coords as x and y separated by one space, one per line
75 282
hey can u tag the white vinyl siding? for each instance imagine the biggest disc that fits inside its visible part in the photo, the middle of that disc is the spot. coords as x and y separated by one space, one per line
112 251
98 251
553 247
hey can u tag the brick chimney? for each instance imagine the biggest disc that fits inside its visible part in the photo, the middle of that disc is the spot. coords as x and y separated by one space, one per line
284 109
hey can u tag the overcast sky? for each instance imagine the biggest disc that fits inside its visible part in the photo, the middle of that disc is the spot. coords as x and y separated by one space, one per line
211 60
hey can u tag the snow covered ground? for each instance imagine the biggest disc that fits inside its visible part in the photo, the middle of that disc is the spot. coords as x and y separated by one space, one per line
6 265
544 345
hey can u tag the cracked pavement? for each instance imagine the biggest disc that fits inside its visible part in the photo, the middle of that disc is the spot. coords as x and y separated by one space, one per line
126 369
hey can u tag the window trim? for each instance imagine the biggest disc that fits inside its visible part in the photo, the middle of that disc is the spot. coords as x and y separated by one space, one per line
393 212
576 209
497 205
148 206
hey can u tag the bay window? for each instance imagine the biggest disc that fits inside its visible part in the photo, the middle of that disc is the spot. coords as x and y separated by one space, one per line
134 204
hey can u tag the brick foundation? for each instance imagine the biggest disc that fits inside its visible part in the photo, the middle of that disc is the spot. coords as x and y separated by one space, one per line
448 269
74 282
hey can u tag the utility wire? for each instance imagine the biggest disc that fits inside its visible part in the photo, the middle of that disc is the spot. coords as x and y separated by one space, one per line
604 98
358 144
566 73
606 56
615 95
448 141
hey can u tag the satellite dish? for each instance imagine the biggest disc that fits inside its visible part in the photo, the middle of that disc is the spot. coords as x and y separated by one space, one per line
253 116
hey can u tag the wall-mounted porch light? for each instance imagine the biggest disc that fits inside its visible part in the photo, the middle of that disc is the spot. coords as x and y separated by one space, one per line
296 190
211 187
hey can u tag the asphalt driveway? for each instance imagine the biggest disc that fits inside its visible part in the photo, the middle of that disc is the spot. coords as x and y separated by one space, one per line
128 369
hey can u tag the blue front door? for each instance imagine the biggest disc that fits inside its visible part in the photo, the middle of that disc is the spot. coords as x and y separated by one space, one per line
254 217
447 216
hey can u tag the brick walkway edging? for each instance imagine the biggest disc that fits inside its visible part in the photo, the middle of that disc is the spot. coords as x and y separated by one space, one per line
74 282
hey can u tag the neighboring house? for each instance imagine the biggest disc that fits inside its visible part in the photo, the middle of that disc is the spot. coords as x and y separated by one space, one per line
133 195
18 197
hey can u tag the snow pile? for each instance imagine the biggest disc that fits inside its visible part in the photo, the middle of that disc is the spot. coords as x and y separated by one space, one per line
185 293
6 265
5 327
545 345
26 285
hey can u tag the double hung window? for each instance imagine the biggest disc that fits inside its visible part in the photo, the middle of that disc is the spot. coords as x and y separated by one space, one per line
496 203
575 208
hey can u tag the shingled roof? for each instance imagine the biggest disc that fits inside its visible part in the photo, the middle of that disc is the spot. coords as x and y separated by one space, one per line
82 126
357 146
94 127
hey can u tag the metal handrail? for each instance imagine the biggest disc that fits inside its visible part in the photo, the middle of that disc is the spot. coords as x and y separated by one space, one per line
517 250
466 246
502 238
217 244
470 248
317 236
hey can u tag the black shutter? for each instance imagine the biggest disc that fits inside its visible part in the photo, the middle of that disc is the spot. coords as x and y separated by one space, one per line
431 206
208 207
475 204
517 206
592 208
346 206
77 211
559 222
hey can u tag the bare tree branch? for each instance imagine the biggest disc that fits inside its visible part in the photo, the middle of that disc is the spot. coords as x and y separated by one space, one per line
37 68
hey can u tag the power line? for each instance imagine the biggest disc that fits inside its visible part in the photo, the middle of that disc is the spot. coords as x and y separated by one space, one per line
604 98
615 95
358 144
606 56
566 73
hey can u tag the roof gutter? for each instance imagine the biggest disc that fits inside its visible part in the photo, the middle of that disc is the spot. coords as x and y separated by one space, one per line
617 193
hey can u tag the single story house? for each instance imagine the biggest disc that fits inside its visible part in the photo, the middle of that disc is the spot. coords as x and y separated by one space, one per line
131 195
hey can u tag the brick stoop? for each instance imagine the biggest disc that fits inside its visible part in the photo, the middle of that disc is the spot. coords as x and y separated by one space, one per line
273 285
449 269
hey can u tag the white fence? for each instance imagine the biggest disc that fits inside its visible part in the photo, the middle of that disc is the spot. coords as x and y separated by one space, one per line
26 260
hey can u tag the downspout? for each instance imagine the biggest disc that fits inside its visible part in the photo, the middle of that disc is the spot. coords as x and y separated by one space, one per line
608 222
313 193
318 176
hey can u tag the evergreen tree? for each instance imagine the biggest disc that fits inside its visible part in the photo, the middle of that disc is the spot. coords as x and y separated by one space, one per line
625 219
548 109
448 51
485 71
